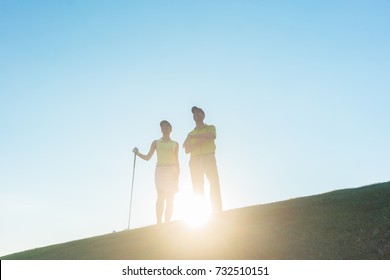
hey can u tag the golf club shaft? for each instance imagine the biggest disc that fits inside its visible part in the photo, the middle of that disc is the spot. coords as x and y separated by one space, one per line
131 194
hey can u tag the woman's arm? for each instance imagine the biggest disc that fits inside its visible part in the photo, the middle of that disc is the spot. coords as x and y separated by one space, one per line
149 155
177 159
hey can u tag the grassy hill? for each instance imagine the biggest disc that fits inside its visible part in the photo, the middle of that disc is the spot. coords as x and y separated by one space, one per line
343 224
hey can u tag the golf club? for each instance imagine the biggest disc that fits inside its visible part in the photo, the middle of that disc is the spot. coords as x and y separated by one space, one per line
131 194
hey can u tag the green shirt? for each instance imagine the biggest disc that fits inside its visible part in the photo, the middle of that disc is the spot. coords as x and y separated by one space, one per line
166 152
208 147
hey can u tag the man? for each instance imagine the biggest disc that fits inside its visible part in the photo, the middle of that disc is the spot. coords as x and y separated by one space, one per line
200 143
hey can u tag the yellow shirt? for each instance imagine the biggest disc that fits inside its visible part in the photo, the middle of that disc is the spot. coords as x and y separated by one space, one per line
208 147
166 155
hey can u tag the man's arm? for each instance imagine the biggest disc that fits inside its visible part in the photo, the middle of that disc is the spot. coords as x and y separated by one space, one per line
205 136
187 144
209 134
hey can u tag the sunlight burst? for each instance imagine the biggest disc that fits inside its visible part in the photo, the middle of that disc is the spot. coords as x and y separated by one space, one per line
196 211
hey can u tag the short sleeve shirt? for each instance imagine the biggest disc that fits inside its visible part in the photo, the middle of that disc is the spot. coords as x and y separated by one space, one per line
208 147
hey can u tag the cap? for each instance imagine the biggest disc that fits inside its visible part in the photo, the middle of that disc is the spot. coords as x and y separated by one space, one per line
165 122
193 109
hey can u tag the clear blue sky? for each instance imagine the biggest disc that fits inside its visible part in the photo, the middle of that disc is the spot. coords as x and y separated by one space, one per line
299 93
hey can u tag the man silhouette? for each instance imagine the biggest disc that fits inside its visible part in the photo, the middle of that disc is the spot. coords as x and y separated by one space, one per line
200 143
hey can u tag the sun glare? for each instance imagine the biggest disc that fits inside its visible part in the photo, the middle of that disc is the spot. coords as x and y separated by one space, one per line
195 211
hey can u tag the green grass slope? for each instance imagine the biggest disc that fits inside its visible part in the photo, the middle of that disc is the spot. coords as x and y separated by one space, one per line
343 224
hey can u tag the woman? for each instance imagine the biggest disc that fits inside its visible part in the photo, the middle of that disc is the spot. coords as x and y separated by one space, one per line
167 170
